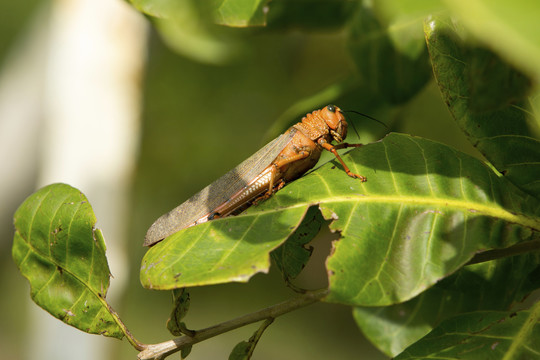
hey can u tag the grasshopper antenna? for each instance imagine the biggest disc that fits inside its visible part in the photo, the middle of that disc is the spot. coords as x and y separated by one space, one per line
366 116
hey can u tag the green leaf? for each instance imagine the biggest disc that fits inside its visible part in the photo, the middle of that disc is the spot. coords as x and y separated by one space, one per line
281 14
510 28
482 335
389 53
495 285
403 19
58 249
489 100
241 12
184 353
181 306
219 251
424 212
240 351
293 255
244 350
188 28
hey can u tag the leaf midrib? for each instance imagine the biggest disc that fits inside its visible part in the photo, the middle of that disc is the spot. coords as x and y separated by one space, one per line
493 210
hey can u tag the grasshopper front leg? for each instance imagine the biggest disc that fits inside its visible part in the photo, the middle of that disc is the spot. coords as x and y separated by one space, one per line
333 149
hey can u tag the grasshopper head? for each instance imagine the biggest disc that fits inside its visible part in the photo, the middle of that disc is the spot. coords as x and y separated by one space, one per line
336 122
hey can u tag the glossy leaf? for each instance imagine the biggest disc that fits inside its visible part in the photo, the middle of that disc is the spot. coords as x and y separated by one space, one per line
58 249
219 251
489 100
482 335
425 210
495 285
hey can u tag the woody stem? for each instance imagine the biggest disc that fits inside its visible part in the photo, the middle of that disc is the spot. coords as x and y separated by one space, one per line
161 350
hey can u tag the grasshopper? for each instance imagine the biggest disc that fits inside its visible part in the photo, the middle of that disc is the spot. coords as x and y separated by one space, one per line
282 160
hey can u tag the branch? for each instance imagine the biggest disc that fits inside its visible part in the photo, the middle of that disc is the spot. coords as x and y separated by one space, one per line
161 350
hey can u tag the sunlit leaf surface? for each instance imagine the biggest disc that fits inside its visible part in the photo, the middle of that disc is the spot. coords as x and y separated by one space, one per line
425 210
61 253
482 335
490 102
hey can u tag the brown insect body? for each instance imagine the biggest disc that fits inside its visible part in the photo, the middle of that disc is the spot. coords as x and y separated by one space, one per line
300 149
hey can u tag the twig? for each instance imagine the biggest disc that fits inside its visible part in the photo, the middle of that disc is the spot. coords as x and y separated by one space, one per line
161 350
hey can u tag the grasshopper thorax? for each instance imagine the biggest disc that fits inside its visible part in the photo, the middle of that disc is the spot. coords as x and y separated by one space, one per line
326 122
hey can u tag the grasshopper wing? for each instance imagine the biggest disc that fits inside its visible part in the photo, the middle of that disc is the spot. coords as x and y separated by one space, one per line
215 194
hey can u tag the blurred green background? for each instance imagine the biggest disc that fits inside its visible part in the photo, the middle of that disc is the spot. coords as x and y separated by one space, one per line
210 96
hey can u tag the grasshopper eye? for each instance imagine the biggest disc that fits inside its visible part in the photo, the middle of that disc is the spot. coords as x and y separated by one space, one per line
331 108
